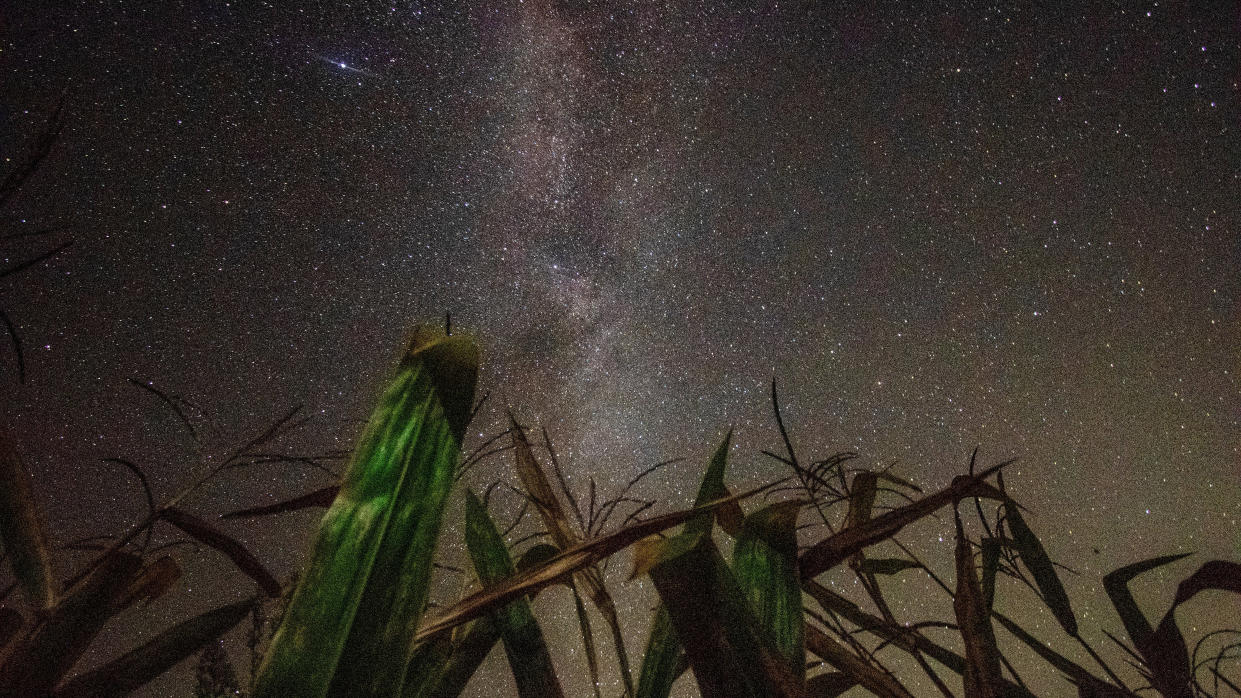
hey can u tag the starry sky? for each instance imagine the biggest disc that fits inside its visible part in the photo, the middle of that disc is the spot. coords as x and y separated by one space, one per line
1011 226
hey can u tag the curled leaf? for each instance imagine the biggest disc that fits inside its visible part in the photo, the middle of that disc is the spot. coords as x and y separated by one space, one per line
209 535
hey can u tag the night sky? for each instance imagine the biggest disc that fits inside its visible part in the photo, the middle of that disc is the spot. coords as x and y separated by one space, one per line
1005 226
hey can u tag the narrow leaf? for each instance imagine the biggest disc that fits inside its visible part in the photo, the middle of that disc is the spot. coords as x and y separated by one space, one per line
349 627
982 658
858 671
209 535
568 562
990 565
861 498
319 498
139 666
765 563
833 550
528 656
22 530
1035 559
884 565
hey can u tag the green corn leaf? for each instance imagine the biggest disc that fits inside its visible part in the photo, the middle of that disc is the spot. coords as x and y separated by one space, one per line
662 647
349 627
729 652
441 666
765 563
1035 559
523 640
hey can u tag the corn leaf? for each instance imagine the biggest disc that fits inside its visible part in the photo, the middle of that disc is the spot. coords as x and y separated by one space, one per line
22 530
550 509
38 662
322 497
564 564
523 640
886 565
990 565
1168 662
1035 559
834 549
442 666
139 666
858 671
348 630
729 653
765 563
155 579
829 685
659 660
207 534
982 657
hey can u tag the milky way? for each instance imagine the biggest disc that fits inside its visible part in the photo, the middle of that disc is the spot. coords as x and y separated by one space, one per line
975 226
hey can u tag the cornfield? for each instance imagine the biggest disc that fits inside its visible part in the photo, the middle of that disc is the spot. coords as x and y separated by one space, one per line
742 605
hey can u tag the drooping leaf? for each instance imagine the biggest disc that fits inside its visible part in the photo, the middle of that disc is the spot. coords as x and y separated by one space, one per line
837 548
662 647
22 530
1035 559
38 662
207 534
142 664
765 564
1168 662
729 653
1084 679
349 627
322 497
528 656
884 565
858 671
982 657
566 563
1221 575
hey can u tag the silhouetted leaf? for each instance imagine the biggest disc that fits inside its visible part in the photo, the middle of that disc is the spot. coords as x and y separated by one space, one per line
982 658
322 497
38 662
858 671
1167 660
990 565
883 565
829 685
837 548
139 666
209 535
1035 559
